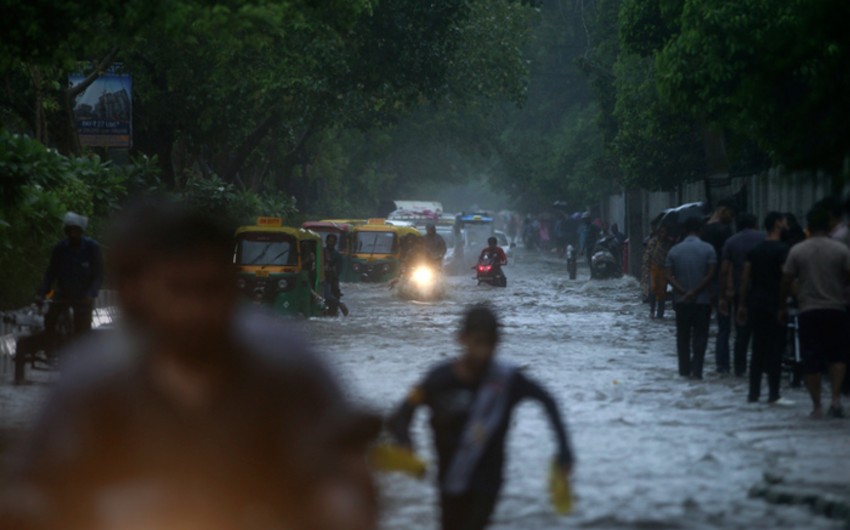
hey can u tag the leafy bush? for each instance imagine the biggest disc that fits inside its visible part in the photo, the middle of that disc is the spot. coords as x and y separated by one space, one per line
239 207
37 187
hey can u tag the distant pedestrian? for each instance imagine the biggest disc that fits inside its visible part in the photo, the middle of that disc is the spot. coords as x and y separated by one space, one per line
821 267
795 233
690 269
619 236
731 267
471 401
716 232
656 251
588 235
759 293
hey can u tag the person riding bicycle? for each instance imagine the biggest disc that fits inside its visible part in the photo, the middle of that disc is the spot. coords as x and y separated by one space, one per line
76 271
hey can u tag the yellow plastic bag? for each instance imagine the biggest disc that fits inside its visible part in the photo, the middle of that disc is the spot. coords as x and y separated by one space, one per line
560 492
391 457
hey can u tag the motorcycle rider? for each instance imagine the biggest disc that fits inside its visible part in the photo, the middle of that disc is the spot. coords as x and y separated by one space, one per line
494 248
433 245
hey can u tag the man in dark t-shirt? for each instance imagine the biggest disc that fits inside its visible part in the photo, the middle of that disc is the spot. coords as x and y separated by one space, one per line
759 295
732 266
715 233
471 400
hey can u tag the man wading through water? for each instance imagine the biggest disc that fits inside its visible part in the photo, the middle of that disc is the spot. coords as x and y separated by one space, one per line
471 401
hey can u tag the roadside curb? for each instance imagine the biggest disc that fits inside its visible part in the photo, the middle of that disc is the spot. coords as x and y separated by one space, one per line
828 501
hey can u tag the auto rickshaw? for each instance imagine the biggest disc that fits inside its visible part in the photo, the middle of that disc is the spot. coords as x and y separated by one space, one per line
378 249
344 236
280 267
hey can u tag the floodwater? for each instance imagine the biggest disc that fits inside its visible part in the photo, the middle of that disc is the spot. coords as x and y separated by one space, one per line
653 450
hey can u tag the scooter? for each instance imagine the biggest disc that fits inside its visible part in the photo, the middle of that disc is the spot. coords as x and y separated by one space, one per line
604 263
489 271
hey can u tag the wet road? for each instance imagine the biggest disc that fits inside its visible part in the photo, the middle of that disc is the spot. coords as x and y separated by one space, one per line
654 451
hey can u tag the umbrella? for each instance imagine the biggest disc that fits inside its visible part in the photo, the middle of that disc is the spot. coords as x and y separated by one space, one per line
680 214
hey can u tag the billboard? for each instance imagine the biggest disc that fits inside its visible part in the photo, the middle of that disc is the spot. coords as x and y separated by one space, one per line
103 112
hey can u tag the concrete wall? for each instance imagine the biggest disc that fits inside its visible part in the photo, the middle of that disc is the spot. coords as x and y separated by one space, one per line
774 190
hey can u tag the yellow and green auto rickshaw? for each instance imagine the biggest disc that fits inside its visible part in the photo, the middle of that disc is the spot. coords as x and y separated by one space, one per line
378 250
280 267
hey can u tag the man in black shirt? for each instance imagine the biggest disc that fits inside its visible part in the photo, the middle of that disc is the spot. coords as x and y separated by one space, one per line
192 412
471 400
759 304
715 233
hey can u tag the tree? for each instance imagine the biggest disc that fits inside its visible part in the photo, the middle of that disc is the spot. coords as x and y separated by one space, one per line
773 72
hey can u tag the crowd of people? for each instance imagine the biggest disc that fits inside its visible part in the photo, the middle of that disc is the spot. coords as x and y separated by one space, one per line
760 280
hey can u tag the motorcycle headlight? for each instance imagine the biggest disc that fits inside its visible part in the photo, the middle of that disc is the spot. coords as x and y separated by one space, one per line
283 283
422 276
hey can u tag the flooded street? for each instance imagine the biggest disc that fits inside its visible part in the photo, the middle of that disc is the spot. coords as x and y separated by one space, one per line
653 450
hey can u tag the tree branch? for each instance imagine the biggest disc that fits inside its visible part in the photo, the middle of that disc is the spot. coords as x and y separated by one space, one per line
244 150
105 63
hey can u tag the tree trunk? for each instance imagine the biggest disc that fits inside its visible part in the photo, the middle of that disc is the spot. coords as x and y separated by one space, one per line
40 124
718 184
241 154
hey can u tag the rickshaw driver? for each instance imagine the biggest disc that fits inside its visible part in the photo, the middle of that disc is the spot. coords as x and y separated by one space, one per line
333 269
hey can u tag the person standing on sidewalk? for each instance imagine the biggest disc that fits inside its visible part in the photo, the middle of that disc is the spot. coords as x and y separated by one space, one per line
690 269
734 255
656 251
471 401
822 268
758 298
716 232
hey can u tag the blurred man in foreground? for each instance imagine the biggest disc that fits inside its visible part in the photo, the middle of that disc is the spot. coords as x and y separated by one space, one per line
471 400
192 413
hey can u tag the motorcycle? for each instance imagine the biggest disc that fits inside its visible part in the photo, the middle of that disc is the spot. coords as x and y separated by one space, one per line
605 262
423 281
572 262
489 271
